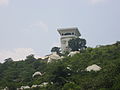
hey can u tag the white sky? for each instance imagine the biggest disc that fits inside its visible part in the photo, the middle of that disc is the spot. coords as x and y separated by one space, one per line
32 24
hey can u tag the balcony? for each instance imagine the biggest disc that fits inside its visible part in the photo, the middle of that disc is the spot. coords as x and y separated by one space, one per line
69 36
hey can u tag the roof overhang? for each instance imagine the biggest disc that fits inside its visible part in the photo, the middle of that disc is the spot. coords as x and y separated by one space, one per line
74 29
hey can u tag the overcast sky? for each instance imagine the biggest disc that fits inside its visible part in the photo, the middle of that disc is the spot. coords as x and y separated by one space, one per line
30 26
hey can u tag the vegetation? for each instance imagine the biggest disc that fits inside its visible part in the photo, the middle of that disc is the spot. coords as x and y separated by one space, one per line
55 49
77 44
68 73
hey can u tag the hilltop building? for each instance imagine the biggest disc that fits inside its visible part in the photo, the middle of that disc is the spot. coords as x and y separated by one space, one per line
67 34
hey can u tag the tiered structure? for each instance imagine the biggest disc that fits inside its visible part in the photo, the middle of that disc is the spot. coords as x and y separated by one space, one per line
67 34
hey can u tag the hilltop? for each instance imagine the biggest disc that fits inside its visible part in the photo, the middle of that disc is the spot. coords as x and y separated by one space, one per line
68 73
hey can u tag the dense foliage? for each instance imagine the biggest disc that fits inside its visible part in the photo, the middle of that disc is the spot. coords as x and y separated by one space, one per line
68 73
55 49
77 44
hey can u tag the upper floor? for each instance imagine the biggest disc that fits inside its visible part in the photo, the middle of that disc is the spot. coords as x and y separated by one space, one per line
69 32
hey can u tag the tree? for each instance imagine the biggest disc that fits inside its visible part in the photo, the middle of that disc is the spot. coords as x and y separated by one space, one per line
30 58
71 86
77 44
55 49
8 60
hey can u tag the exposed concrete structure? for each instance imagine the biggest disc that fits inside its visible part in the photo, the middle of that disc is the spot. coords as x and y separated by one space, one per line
67 34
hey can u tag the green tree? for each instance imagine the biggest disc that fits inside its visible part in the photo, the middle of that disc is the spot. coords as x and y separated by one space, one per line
71 86
55 49
66 74
30 58
77 44
8 60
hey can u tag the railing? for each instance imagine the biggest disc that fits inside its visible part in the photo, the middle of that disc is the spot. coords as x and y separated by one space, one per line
68 36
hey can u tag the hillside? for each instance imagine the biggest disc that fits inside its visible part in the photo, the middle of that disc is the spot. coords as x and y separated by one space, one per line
66 74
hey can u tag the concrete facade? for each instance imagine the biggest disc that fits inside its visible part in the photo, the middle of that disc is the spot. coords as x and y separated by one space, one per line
67 34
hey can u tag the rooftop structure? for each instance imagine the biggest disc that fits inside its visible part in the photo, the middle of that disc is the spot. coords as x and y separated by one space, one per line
67 34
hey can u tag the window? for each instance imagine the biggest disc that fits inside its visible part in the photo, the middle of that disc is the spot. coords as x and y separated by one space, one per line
67 34
72 33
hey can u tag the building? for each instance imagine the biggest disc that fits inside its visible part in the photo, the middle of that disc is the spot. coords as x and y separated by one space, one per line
67 34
